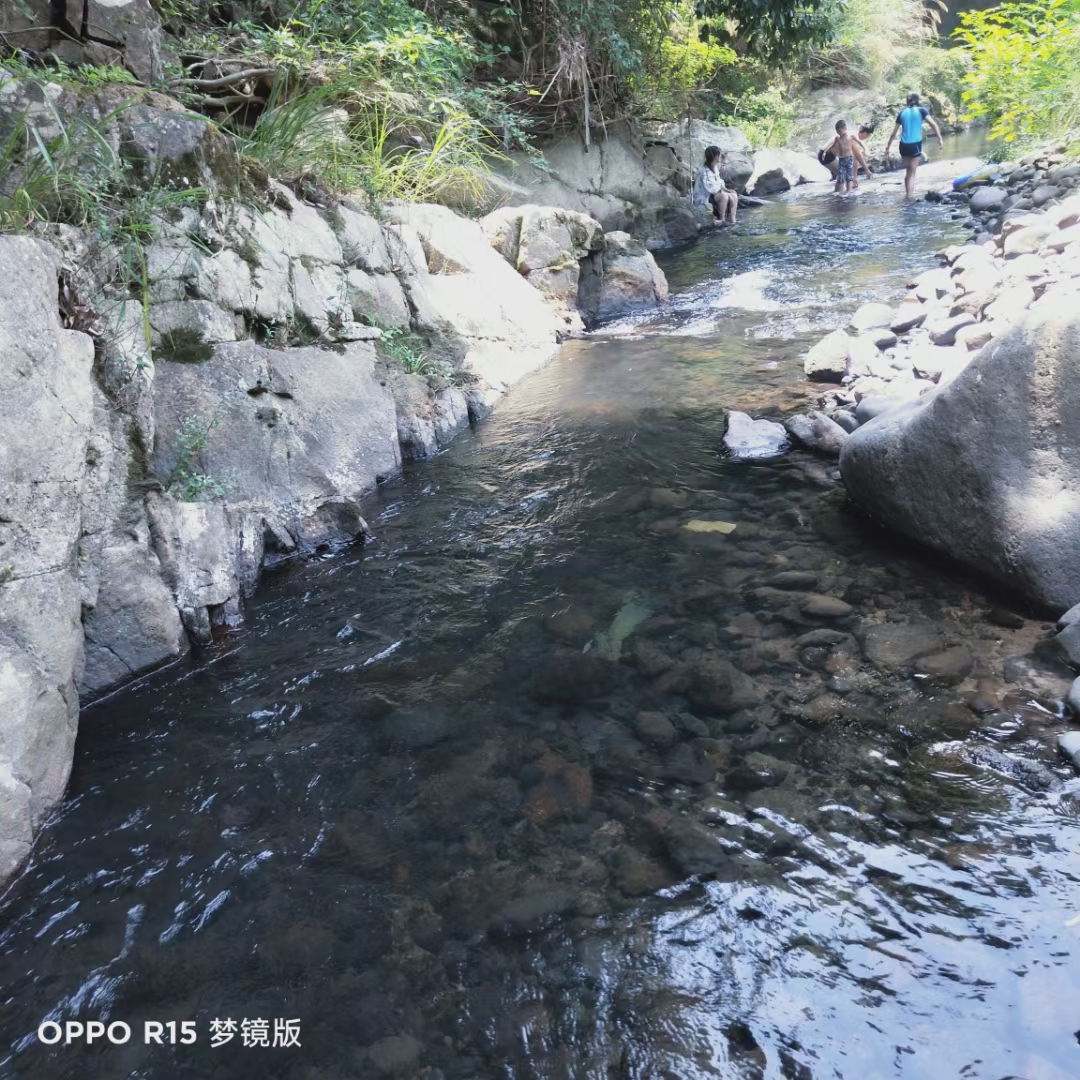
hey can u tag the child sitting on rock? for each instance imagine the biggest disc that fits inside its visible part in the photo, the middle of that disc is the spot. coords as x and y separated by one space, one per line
710 189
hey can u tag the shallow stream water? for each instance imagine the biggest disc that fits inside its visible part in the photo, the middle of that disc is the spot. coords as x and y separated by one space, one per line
542 784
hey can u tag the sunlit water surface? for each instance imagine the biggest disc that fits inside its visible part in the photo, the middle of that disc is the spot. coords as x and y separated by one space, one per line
405 807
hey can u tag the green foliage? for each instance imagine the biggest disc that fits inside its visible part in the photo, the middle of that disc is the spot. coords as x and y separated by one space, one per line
185 481
686 72
392 145
54 170
403 348
1025 73
775 31
767 116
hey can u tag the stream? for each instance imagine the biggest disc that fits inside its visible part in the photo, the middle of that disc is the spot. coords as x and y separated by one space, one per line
541 784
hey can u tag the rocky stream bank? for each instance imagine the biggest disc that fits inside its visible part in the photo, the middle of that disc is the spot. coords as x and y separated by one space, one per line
161 443
955 416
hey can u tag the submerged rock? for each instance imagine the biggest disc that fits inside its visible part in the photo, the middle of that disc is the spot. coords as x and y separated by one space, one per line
749 438
819 432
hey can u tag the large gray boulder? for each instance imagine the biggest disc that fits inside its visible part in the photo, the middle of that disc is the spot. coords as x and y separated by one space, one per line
630 279
987 469
690 138
778 170
546 245
46 422
477 311
283 429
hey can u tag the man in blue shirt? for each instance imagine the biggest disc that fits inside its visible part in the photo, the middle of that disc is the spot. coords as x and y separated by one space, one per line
909 126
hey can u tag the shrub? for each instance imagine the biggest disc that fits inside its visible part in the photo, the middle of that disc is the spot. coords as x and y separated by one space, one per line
1025 70
185 481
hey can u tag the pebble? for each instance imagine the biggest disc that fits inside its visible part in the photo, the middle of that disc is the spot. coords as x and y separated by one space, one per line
655 728
826 607
794 579
396 1054
946 668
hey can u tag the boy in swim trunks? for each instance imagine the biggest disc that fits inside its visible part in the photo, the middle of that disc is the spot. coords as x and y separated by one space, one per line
909 126
843 146
828 158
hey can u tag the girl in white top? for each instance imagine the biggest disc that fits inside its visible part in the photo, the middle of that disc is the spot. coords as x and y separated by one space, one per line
710 189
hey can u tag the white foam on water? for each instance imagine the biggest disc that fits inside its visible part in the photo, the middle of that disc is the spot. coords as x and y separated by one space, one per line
747 292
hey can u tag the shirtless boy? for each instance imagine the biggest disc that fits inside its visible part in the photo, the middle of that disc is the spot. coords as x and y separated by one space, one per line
843 146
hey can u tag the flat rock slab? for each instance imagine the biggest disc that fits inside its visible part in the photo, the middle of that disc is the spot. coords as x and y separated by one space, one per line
897 646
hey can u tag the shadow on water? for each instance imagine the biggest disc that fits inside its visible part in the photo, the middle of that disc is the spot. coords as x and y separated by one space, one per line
409 807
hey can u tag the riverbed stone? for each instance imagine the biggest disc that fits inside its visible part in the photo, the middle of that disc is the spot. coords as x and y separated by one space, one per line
975 336
1068 643
1044 193
933 285
819 432
987 198
827 361
908 316
825 607
748 438
1063 238
943 331
895 646
655 728
947 667
396 1055
1028 239
1073 697
695 848
716 686
870 317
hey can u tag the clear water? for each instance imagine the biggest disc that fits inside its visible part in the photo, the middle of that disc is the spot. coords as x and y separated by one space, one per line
404 806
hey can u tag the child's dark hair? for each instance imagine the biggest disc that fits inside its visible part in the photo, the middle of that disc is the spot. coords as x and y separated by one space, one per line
841 125
868 128
711 154
913 98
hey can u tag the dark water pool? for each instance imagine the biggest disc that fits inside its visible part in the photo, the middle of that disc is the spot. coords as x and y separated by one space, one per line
543 784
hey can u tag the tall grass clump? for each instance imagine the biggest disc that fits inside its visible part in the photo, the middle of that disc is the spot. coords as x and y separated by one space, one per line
871 42
351 137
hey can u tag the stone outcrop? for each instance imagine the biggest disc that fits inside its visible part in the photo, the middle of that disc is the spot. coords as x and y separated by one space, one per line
628 181
242 415
690 139
127 33
47 414
586 275
629 279
987 469
551 248
776 171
